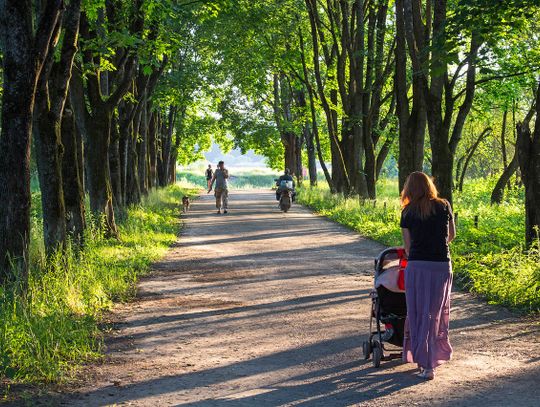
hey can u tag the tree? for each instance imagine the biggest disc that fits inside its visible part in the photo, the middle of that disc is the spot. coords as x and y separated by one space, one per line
94 116
412 118
24 54
528 152
52 92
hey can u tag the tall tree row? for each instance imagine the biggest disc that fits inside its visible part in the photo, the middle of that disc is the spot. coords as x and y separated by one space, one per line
83 81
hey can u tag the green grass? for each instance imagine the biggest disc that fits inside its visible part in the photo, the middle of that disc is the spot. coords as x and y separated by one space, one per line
489 259
45 335
240 179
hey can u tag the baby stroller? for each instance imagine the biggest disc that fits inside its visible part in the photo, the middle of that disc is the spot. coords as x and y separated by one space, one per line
388 305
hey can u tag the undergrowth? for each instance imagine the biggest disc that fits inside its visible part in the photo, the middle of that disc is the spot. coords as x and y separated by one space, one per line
54 327
488 258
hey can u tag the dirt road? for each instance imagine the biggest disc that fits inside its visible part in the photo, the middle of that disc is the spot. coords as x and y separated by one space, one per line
260 308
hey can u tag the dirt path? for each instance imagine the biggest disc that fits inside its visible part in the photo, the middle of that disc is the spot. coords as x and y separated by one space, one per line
259 308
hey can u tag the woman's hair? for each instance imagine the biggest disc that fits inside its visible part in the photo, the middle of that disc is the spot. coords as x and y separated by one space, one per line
419 195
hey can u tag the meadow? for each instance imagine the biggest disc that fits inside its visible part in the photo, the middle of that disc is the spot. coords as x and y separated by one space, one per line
240 178
58 324
489 256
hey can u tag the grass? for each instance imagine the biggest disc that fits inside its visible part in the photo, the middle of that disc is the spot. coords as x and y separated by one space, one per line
489 259
47 334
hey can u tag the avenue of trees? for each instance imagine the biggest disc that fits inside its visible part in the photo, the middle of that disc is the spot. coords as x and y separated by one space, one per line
104 97
93 93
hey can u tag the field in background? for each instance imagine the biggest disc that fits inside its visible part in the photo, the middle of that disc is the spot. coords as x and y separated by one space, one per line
240 177
488 256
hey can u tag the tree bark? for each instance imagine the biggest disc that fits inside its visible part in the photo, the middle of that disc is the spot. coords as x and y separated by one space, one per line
152 149
412 119
23 57
528 152
115 164
498 191
469 155
72 178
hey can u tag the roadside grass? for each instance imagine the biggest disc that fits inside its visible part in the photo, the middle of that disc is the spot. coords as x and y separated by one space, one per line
55 327
489 258
240 179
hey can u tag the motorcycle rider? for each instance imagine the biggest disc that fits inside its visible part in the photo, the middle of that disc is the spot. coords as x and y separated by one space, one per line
285 177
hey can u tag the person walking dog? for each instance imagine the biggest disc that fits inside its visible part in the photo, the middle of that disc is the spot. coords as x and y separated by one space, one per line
427 225
221 191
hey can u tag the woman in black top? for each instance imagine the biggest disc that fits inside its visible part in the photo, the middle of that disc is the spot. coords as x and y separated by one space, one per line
427 225
209 175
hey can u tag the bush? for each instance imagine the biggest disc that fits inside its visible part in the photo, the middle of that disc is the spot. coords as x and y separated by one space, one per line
488 259
52 329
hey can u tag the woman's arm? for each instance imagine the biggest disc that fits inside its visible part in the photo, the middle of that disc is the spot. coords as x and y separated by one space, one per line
406 239
451 230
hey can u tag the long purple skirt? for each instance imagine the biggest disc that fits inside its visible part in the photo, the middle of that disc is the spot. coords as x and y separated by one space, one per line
427 290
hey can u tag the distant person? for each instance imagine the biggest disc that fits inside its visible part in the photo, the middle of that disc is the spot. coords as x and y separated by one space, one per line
427 225
209 175
285 177
221 190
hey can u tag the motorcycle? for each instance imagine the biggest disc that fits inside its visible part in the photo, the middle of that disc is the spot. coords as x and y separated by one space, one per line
286 191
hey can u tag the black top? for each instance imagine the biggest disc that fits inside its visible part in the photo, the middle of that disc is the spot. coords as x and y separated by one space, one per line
429 237
209 173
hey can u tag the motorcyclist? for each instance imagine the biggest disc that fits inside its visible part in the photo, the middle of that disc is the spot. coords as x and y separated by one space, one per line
285 177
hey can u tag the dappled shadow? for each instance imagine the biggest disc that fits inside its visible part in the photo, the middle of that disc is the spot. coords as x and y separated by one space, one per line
212 319
346 383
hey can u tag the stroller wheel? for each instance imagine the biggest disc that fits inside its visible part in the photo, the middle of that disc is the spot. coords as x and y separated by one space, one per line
366 349
377 354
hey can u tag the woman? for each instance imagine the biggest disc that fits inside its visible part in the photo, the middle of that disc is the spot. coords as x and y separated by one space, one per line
427 226
209 175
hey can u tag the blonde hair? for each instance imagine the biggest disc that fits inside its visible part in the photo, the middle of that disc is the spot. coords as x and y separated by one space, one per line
419 195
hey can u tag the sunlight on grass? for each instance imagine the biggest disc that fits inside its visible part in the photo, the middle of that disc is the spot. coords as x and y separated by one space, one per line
488 259
47 334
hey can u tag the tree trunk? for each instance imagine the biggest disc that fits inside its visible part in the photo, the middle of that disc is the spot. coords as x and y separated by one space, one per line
51 95
503 140
152 150
72 178
47 133
470 155
498 191
133 194
142 151
115 164
412 120
23 55
528 147
312 158
99 175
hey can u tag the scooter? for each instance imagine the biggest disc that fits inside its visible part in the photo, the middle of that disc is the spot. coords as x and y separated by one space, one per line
286 193
285 200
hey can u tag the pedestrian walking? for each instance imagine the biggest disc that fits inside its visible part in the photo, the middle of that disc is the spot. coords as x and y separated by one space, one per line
428 227
209 175
221 190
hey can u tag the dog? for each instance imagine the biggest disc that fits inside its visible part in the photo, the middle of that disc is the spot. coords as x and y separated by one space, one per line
185 204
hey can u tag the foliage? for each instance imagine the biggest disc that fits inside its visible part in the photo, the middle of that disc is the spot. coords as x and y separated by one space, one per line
55 327
488 259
